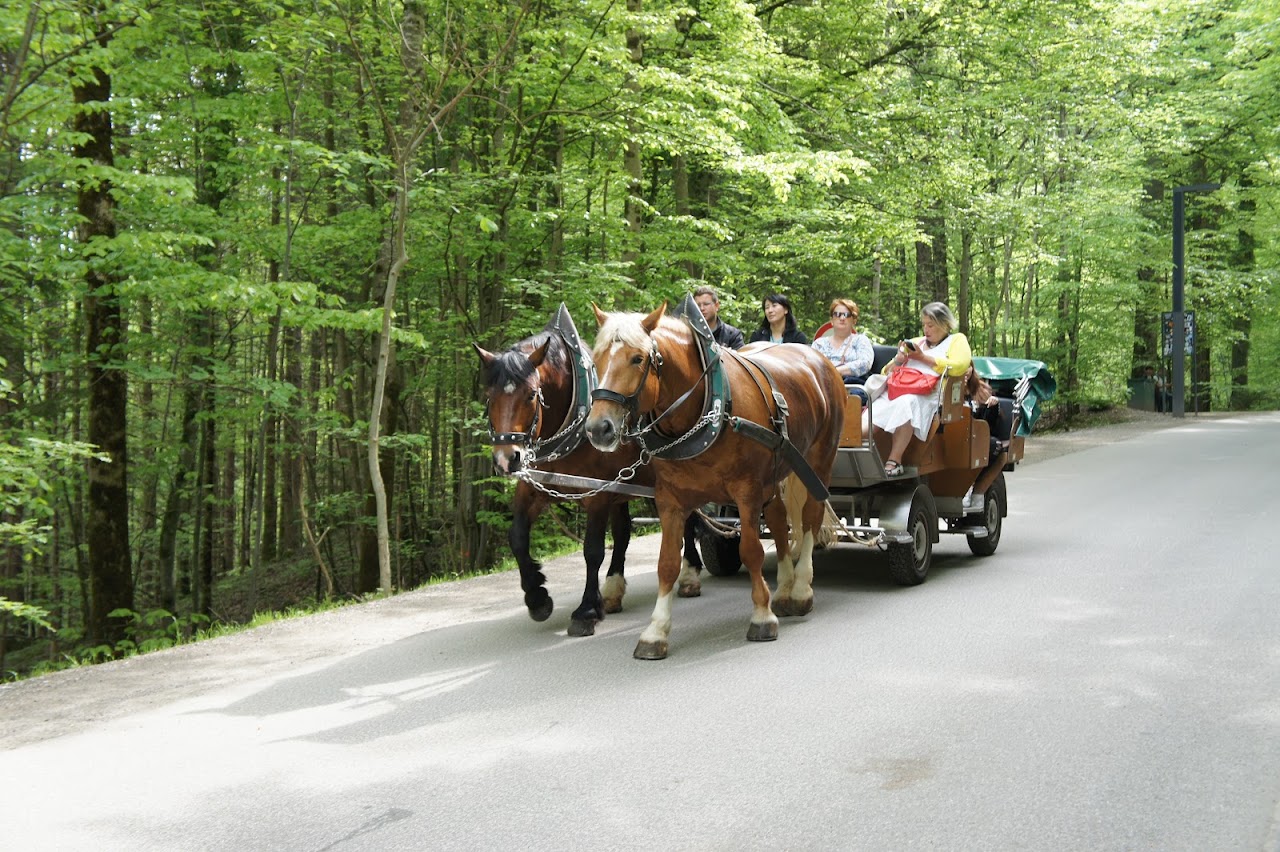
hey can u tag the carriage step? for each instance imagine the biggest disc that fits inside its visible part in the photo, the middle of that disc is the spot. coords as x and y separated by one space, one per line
975 530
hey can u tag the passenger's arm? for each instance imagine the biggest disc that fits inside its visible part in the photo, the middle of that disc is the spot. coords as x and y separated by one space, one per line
863 356
956 359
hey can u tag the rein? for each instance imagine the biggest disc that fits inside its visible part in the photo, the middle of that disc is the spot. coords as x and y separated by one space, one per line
652 425
717 396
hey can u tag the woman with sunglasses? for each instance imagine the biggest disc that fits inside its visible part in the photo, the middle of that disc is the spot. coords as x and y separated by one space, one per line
847 348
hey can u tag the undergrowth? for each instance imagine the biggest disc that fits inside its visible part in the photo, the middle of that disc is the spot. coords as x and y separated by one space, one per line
289 588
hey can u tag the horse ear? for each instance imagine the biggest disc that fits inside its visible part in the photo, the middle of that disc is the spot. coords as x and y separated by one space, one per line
536 356
651 322
601 316
486 357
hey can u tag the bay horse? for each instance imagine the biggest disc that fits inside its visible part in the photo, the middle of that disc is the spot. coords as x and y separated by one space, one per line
536 395
781 413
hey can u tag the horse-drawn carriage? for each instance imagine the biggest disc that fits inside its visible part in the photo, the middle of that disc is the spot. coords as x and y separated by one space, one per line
757 434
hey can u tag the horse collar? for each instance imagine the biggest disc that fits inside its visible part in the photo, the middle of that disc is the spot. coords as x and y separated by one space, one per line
583 373
717 401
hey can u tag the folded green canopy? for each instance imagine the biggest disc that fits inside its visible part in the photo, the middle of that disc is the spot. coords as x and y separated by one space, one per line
1028 382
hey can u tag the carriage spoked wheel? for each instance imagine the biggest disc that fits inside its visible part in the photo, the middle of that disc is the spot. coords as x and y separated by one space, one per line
909 562
992 518
719 554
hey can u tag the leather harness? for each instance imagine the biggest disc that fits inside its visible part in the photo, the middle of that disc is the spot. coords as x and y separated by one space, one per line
717 408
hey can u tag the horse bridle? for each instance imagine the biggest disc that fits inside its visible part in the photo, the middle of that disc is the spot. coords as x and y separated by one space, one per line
631 402
517 438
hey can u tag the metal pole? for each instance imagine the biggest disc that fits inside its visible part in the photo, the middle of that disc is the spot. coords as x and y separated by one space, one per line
1178 333
1177 384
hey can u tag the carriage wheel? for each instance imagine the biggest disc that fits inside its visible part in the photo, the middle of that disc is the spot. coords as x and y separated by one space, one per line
719 554
992 519
909 563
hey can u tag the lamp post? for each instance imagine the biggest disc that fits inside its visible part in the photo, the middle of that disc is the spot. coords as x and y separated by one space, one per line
1178 332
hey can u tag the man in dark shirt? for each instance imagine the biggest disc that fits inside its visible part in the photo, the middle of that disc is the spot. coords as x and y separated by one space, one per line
709 304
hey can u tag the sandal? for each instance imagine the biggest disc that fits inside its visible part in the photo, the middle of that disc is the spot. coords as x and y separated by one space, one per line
893 469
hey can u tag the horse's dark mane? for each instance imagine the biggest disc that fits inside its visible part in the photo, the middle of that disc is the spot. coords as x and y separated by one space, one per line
513 367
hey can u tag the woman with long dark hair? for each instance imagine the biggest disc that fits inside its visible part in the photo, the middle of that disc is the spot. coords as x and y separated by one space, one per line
779 323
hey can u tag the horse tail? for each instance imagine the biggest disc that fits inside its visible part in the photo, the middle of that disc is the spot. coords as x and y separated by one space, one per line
698 526
831 523
794 494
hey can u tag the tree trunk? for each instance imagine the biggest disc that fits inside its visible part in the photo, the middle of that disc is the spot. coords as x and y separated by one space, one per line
1242 262
290 455
202 600
931 257
12 356
964 279
680 187
631 154
107 523
261 460
400 256
271 427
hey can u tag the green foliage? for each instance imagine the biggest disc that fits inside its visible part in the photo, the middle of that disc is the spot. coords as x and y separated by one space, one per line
153 630
31 470
34 614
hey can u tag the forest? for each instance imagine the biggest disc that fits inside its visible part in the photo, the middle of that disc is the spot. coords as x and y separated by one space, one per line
245 247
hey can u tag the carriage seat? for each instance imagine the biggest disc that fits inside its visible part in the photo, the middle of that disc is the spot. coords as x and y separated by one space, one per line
1008 411
884 354
856 420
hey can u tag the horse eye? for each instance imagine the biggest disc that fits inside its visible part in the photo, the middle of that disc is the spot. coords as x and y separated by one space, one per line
637 360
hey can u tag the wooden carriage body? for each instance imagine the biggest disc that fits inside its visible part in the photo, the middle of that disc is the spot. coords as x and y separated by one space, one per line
953 480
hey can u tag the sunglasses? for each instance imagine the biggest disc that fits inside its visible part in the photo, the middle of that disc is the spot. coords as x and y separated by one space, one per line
840 315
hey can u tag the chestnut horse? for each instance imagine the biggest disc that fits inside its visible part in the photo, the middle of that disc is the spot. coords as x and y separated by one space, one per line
785 416
536 395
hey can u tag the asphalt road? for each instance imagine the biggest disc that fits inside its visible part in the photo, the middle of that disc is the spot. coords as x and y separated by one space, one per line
1107 680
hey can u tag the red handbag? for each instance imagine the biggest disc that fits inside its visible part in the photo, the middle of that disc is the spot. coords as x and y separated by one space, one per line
910 381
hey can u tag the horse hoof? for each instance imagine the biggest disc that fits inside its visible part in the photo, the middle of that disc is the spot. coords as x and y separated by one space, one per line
762 632
582 627
615 588
650 650
785 607
690 590
541 611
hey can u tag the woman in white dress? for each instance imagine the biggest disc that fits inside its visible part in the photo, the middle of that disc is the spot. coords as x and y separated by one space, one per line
941 351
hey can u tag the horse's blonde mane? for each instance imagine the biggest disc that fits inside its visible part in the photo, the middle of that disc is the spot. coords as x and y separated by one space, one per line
625 328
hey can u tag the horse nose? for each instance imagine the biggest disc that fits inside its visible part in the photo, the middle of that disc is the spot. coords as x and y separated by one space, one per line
601 432
506 461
